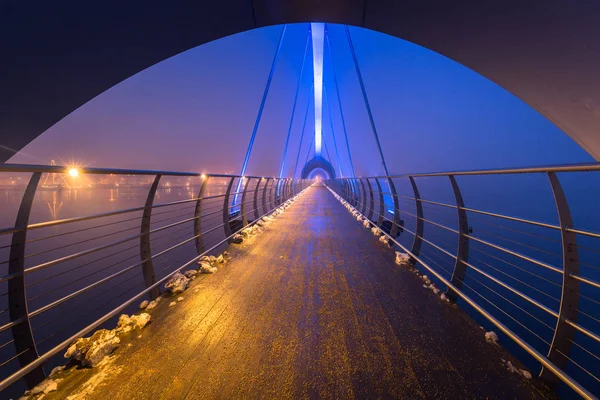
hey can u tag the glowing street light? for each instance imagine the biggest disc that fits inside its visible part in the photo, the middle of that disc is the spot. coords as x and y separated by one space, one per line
74 172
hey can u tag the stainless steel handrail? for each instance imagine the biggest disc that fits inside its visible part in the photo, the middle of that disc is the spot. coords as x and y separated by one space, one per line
198 216
565 317
547 363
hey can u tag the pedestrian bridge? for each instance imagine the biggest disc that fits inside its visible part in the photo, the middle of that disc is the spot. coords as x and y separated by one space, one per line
312 306
459 284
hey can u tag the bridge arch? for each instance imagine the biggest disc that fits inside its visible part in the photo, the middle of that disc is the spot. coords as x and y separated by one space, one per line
544 53
318 163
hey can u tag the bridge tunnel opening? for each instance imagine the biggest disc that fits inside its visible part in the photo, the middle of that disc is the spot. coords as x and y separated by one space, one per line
318 174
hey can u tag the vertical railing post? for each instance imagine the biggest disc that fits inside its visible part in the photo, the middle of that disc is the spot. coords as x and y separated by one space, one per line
363 193
255 203
22 334
273 193
381 203
418 239
265 196
198 218
145 251
462 250
226 225
396 218
243 207
352 191
569 302
371 200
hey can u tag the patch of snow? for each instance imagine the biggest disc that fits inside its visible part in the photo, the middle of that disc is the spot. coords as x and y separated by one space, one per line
190 273
384 239
206 268
491 337
444 298
178 283
151 305
512 368
526 374
90 351
56 370
402 259
172 304
220 259
237 238
144 304
180 299
376 231
366 223
45 387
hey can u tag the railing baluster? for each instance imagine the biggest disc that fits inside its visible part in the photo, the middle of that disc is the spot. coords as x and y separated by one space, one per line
569 303
396 219
255 203
226 225
356 192
371 200
381 203
198 218
417 241
17 297
363 196
145 250
462 250
265 196
273 193
243 207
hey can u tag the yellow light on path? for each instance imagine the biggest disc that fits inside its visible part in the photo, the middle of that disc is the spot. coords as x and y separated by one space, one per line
74 172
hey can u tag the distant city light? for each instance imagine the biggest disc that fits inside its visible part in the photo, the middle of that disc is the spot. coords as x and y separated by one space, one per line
74 172
318 40
203 176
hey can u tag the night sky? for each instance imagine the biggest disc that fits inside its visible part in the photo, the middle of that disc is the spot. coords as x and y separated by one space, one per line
196 111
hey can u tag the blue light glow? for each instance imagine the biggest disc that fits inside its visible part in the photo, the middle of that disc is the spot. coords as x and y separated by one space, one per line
318 36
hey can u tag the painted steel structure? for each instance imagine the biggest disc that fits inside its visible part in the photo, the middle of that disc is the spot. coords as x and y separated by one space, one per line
545 53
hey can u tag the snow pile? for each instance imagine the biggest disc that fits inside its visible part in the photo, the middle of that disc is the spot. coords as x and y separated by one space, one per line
178 283
366 223
220 259
444 298
403 259
190 274
180 299
172 304
384 239
491 337
511 368
237 239
144 304
45 387
206 268
90 351
376 231
426 279
152 304
127 323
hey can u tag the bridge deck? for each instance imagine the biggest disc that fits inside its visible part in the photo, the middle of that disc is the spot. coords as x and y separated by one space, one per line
312 307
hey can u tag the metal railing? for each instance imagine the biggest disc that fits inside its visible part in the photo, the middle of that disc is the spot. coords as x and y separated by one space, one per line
537 281
61 278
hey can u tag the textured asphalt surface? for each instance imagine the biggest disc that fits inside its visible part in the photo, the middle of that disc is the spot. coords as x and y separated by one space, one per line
312 307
